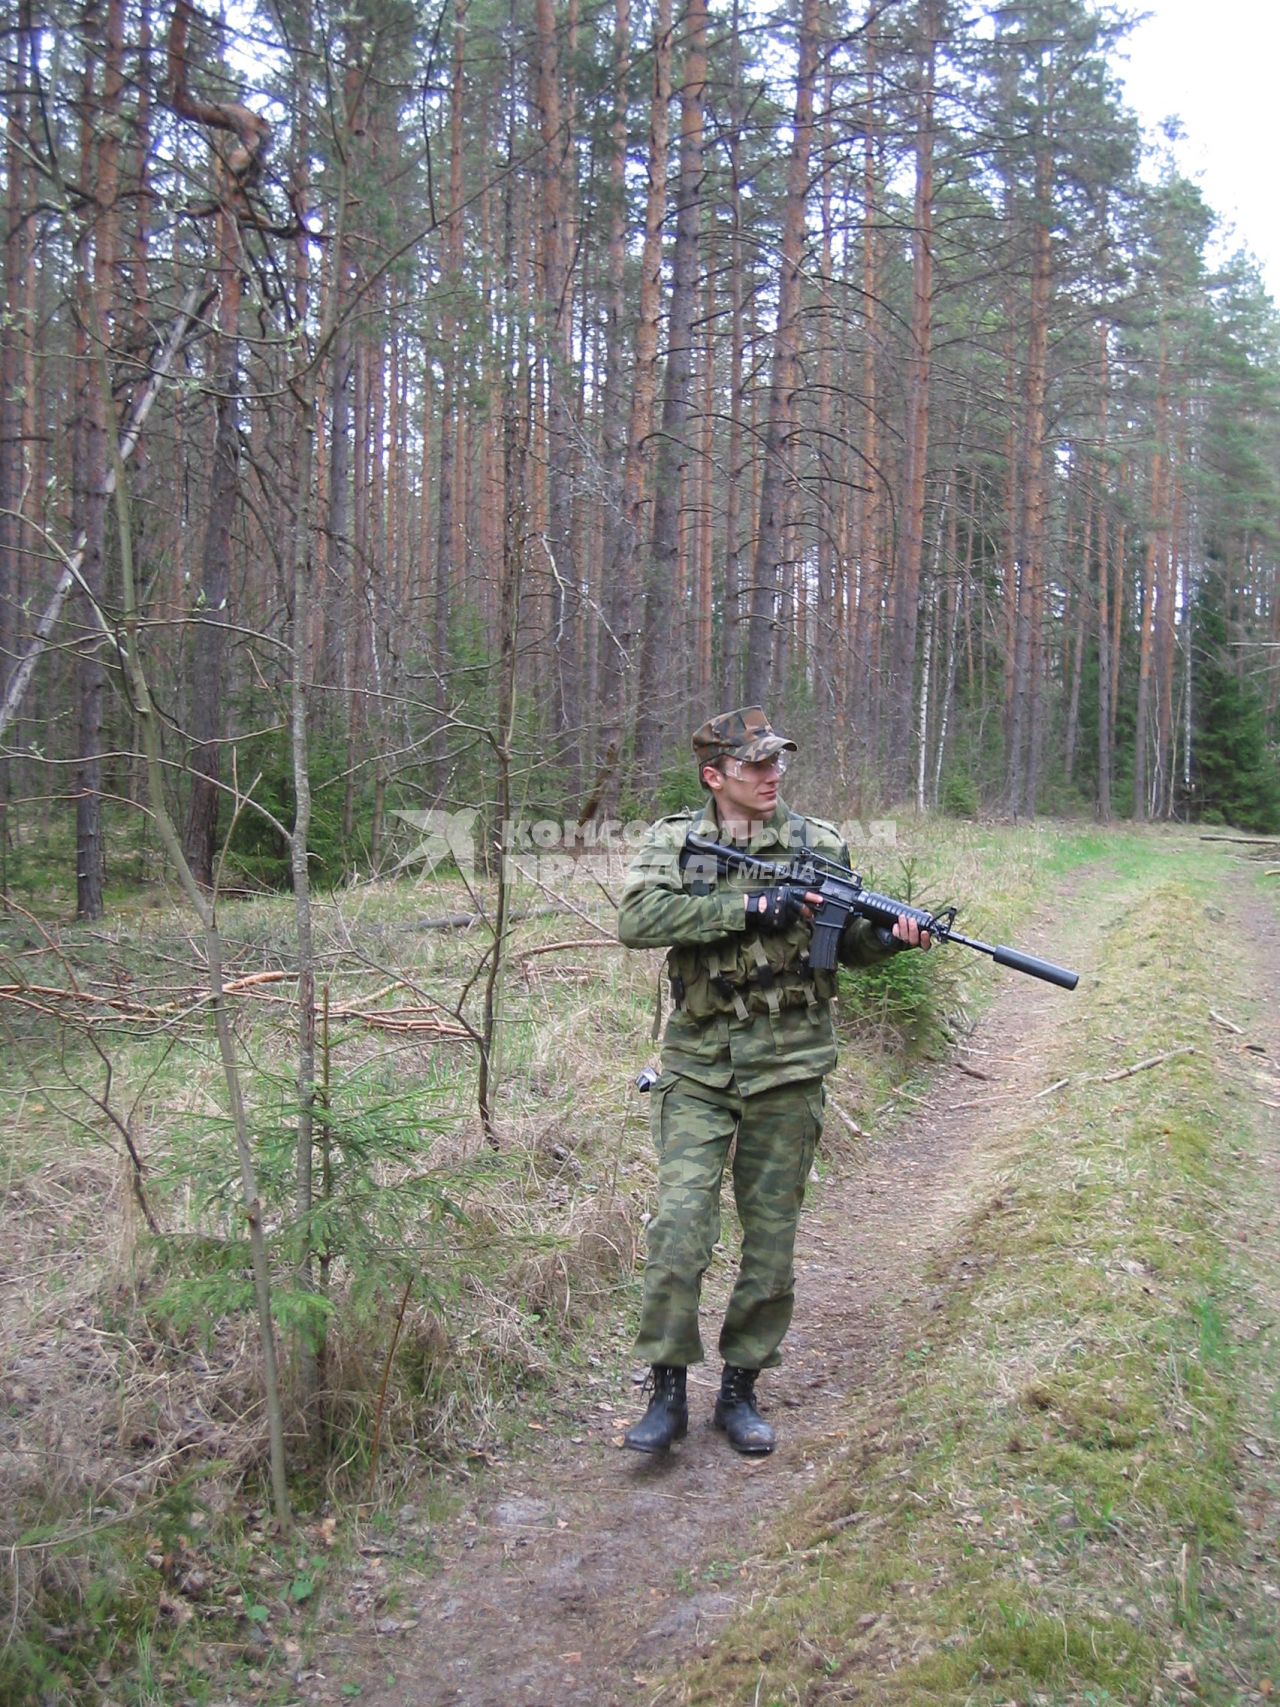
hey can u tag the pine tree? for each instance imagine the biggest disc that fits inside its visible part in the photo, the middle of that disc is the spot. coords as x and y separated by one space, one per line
1235 775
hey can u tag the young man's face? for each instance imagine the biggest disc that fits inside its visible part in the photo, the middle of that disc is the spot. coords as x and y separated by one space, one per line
745 791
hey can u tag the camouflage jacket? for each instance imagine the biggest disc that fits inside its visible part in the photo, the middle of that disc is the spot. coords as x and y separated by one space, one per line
748 1010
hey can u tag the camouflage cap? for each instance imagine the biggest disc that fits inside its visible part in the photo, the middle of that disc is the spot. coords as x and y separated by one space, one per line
743 734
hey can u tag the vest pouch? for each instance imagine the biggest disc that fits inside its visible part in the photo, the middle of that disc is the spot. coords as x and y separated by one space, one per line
745 975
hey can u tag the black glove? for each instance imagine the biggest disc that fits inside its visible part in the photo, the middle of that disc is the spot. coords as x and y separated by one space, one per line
773 909
892 944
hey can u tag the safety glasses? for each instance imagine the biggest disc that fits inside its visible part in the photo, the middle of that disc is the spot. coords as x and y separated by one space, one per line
744 770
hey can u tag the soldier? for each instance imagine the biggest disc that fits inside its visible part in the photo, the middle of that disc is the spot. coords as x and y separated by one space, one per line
745 1052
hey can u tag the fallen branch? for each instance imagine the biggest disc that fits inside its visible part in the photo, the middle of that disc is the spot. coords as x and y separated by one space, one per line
564 904
44 998
451 922
1248 841
409 1022
251 980
1049 1089
1226 1024
425 1017
464 921
555 947
902 1091
851 1125
1141 1066
971 1072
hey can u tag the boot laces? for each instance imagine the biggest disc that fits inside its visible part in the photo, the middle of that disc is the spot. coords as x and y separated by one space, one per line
662 1382
739 1385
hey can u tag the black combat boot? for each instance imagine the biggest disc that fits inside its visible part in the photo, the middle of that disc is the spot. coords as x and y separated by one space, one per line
737 1415
667 1418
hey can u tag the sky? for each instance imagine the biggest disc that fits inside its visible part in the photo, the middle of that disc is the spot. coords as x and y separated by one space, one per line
1212 64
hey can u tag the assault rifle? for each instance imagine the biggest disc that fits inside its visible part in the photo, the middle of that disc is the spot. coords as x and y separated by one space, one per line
842 895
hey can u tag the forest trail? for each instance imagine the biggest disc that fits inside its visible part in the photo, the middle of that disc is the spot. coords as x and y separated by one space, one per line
583 1574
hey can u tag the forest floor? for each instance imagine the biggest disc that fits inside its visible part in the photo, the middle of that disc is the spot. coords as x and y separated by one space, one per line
577 1572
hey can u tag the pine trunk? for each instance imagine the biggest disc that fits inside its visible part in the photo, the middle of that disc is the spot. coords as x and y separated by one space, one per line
96 245
656 710
613 639
14 339
910 554
776 472
623 544
212 619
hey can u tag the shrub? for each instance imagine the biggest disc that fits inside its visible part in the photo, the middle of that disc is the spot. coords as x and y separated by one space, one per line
906 1002
257 851
959 798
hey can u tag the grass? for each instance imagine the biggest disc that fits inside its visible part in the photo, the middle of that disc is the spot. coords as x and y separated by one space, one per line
103 1377
129 1361
1048 1510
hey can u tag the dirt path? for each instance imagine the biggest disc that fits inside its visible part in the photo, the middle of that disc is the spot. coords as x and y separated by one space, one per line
583 1572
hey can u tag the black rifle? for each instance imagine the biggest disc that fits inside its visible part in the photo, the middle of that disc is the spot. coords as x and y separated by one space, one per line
842 894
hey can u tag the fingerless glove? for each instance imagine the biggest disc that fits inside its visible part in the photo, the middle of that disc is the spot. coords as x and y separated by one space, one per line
773 909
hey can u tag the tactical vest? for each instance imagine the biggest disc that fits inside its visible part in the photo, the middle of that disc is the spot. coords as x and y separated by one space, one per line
749 972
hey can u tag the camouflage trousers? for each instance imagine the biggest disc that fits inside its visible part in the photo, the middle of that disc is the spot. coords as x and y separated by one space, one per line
694 1127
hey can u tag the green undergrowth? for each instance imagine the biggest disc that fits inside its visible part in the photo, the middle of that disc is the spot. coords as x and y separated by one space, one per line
1042 1504
169 1606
